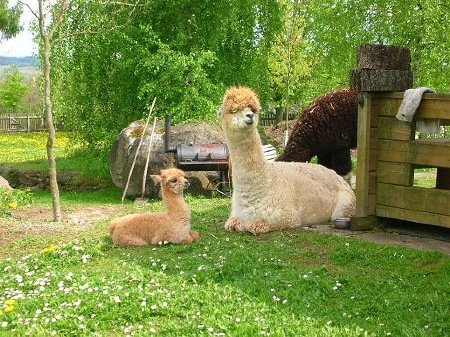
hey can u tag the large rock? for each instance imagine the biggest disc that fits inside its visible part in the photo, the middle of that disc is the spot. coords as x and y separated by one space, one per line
124 150
5 184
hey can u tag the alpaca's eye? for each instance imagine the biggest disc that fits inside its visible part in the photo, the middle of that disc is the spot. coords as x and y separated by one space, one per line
173 180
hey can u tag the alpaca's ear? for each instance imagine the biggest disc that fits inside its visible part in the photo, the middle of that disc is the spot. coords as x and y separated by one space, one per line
156 178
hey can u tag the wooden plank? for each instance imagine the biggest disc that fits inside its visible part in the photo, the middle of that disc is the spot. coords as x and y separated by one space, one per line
433 105
432 153
395 173
363 157
372 182
392 128
389 105
414 198
413 215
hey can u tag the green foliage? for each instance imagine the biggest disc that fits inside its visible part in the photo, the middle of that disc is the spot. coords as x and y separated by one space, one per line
287 61
335 29
11 200
12 89
103 82
9 19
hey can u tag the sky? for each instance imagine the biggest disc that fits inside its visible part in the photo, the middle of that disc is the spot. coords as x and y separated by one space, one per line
22 44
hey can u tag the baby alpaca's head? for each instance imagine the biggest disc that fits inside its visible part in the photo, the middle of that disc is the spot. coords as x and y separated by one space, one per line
172 180
240 108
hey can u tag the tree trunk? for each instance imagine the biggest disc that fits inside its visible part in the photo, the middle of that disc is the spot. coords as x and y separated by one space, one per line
51 133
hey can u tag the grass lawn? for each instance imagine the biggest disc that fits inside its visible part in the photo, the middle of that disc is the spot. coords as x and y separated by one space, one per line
68 279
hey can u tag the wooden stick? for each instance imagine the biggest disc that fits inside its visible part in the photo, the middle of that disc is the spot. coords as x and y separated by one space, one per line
137 150
144 177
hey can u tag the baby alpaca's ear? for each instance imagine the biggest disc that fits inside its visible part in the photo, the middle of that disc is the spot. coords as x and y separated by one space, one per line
156 178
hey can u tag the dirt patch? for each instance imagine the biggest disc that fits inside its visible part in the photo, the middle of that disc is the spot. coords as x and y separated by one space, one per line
38 220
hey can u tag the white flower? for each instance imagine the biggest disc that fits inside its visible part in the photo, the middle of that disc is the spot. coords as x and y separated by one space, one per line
4 324
117 299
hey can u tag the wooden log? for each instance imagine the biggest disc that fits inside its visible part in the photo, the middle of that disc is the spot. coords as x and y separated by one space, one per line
364 223
378 56
382 68
381 80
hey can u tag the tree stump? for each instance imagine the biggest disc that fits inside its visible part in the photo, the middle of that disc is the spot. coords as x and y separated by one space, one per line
385 57
382 68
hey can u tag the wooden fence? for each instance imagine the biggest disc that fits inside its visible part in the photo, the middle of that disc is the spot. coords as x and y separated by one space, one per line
21 122
269 118
388 153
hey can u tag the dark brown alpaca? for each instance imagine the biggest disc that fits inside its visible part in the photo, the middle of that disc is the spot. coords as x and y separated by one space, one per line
327 129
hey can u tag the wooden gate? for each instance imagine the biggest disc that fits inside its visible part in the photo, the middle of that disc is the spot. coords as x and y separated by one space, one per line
20 122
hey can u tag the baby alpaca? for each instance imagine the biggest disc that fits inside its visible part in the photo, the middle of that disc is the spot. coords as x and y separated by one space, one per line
152 228
266 195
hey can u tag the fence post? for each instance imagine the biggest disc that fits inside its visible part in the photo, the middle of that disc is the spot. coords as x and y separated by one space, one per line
379 68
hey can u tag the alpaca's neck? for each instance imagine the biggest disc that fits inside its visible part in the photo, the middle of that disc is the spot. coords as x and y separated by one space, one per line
175 204
245 151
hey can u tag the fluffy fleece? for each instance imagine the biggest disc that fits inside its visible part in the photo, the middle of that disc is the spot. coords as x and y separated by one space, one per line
326 128
152 228
266 195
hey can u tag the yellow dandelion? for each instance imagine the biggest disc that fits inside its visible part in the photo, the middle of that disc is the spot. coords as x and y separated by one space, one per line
10 302
13 205
9 309
50 249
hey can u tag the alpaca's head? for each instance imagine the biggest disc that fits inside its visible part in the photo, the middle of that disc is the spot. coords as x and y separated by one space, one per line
172 180
239 109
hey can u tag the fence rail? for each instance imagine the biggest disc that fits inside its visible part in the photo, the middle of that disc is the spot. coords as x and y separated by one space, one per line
21 123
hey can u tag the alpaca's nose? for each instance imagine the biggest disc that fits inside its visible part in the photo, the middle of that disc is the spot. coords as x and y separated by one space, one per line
186 183
249 117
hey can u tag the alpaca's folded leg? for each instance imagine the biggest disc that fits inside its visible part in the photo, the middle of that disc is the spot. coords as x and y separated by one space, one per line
187 240
128 241
259 227
234 225
194 235
345 205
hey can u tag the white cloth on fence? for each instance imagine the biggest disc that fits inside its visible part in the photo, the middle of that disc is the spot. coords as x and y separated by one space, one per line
408 107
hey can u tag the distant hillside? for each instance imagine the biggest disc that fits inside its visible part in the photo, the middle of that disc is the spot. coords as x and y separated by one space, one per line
27 61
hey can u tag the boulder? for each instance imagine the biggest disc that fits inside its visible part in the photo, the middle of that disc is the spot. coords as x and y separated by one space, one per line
124 150
5 184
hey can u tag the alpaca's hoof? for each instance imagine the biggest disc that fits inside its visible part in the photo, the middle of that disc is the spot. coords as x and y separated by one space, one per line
233 225
194 235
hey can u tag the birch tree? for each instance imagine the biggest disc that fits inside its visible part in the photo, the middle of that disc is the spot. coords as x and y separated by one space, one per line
52 18
9 20
49 18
